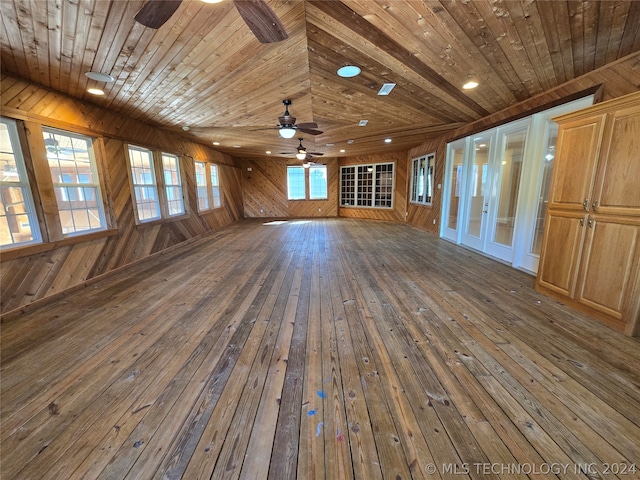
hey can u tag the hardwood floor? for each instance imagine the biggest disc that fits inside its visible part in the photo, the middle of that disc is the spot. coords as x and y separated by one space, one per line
329 349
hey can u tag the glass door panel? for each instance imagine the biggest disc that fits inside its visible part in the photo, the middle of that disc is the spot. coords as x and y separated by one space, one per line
503 203
543 198
478 189
454 190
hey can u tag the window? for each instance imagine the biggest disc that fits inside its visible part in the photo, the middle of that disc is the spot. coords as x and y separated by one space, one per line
18 221
295 183
201 186
145 187
367 185
215 185
318 182
173 184
207 186
422 179
75 181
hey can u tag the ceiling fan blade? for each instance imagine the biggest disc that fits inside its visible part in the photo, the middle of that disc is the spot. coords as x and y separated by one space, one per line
155 13
310 131
310 125
315 154
261 20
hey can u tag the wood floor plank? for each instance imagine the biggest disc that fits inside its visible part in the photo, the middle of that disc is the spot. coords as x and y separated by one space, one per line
316 349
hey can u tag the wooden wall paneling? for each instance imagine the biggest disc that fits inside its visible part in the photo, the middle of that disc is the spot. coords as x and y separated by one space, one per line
67 265
76 266
423 216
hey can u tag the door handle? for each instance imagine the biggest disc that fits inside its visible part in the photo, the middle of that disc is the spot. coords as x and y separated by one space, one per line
592 222
485 211
585 204
582 222
594 205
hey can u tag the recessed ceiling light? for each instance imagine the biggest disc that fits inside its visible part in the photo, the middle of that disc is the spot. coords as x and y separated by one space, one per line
349 71
268 152
216 143
186 128
95 91
342 150
363 123
350 141
99 77
470 85
211 1
386 88
329 144
237 146
387 140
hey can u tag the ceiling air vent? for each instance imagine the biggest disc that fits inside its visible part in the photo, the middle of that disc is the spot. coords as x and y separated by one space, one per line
386 88
363 123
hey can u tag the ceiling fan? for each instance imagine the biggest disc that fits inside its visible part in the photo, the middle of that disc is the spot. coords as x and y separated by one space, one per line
303 154
288 127
260 19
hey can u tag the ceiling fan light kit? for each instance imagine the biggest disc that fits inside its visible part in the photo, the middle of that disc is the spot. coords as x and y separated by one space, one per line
287 132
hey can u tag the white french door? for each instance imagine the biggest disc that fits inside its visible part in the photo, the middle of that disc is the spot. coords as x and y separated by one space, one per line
508 163
478 176
496 187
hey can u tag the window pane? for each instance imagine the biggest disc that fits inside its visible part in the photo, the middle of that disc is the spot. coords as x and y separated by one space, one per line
384 185
365 186
144 184
75 181
172 184
201 186
295 183
347 186
318 182
215 185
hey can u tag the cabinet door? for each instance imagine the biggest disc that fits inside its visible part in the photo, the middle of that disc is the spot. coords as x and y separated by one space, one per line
574 168
610 267
561 250
617 188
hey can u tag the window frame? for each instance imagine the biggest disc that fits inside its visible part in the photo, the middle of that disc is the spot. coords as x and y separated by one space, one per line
296 168
307 183
25 185
135 185
360 192
213 199
75 191
326 182
428 161
168 187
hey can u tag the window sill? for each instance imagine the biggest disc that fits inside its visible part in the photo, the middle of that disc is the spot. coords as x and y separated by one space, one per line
209 210
27 250
158 221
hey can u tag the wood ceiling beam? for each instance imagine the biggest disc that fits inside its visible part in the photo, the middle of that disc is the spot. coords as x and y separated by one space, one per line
358 25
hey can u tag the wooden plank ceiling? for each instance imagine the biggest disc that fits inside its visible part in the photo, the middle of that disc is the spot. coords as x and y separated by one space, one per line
205 69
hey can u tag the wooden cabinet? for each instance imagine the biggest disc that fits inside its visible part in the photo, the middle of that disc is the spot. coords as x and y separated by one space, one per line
590 256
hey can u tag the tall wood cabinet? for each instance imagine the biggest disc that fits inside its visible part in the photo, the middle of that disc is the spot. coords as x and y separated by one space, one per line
590 257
